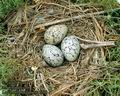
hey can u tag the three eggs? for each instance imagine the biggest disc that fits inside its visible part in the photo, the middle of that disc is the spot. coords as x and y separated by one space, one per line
69 46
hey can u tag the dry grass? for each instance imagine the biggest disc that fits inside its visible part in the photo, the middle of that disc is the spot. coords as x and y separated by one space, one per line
74 77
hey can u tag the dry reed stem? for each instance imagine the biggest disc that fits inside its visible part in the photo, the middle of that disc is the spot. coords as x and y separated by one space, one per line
96 42
74 18
88 46
68 19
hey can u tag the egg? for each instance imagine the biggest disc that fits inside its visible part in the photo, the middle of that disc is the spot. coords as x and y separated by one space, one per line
55 34
70 47
52 55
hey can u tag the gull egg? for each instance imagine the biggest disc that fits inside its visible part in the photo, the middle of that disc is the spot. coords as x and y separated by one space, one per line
70 47
55 34
52 55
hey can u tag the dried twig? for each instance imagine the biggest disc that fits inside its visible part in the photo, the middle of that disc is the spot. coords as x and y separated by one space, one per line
73 18
97 45
96 42
68 19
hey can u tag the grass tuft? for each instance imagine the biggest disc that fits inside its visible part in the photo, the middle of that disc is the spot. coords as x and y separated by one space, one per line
6 6
109 84
115 53
8 67
108 4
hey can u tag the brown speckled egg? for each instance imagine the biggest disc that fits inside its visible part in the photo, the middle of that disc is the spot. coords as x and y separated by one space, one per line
70 47
55 34
52 55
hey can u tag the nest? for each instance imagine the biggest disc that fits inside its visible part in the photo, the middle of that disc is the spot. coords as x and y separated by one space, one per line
27 27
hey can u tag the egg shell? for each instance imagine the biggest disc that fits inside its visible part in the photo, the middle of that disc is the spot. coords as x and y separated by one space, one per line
52 55
70 47
55 34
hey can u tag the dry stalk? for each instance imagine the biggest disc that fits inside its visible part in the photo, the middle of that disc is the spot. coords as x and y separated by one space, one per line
72 18
74 71
28 53
34 69
96 42
55 81
97 45
43 82
68 19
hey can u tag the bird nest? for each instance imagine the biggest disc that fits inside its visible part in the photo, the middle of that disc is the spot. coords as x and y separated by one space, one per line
26 29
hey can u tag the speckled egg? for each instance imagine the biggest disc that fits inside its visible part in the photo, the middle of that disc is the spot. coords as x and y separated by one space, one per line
52 55
55 34
70 47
